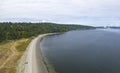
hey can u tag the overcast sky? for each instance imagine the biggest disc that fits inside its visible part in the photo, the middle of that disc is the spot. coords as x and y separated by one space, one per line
86 12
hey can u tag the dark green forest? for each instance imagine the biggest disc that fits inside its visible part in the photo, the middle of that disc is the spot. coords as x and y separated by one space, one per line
12 31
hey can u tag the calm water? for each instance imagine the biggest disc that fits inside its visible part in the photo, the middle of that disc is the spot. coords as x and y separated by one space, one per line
88 51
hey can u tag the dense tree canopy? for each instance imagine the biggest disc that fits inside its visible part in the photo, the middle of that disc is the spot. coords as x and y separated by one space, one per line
10 31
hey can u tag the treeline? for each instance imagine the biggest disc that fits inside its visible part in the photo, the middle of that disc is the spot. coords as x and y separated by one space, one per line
10 31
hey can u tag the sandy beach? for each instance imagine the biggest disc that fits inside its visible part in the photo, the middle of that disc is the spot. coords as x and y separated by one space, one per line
32 60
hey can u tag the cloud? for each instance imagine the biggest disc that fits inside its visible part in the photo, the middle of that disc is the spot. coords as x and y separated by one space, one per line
91 12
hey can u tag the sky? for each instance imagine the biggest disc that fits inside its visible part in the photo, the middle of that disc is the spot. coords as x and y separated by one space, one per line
85 12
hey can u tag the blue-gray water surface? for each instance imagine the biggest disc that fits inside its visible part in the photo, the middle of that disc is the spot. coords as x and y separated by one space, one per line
87 51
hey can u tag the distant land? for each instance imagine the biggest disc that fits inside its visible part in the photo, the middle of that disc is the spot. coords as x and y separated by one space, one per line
16 30
106 27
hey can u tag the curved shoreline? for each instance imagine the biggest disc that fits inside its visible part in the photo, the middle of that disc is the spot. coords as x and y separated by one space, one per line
32 60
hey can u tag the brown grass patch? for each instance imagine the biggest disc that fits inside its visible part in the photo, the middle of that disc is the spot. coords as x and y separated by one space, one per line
11 53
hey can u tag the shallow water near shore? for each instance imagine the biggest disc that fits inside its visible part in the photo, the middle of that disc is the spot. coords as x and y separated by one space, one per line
87 51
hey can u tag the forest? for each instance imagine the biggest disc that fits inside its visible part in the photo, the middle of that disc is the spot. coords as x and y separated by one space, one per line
13 31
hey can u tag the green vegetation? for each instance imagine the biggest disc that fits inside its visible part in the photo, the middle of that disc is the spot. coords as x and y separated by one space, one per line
21 47
10 31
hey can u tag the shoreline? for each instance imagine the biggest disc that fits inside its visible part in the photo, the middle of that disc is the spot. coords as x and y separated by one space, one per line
32 60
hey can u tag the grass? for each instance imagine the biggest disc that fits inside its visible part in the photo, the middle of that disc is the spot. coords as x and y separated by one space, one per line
19 47
12 70
4 42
